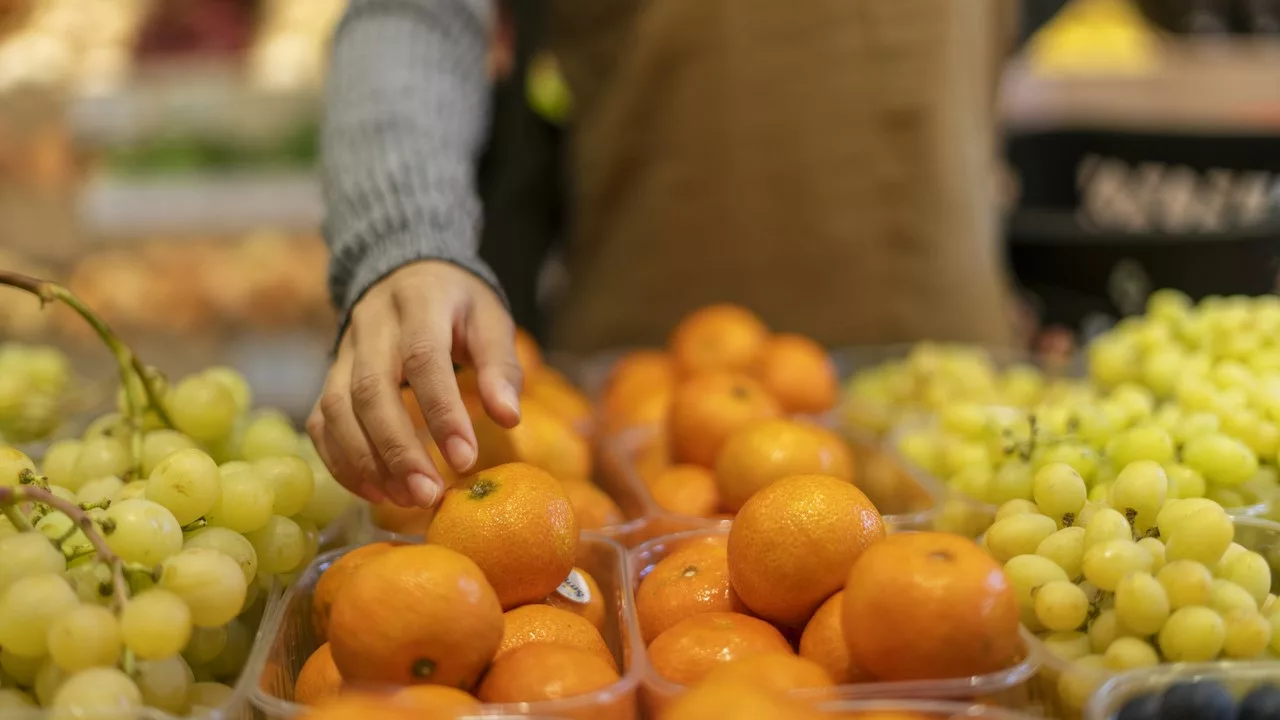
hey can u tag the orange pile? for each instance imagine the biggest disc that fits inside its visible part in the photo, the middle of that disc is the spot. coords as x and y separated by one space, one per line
808 558
493 596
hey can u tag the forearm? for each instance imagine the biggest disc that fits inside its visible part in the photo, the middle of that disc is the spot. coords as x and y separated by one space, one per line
406 111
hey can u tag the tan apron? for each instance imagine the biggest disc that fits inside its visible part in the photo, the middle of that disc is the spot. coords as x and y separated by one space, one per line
827 163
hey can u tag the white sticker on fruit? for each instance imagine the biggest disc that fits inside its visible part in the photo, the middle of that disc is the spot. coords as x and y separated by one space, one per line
574 588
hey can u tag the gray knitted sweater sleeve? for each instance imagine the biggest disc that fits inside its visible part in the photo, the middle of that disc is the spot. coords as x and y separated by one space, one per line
406 110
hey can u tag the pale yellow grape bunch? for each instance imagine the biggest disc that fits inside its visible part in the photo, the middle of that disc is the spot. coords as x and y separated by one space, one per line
932 377
1134 579
34 384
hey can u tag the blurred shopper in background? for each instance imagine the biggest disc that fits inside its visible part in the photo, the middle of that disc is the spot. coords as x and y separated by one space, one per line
830 164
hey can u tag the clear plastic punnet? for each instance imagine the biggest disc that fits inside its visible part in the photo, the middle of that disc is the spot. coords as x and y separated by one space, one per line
922 710
292 640
1237 677
1007 688
1065 688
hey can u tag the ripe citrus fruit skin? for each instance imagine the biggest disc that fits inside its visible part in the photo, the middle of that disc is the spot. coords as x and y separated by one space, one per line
404 521
776 672
823 642
710 407
592 610
764 451
318 680
545 671
792 544
359 706
685 490
638 390
687 651
517 524
693 579
335 578
927 605
528 354
553 391
717 337
737 700
438 701
531 624
799 373
592 506
415 614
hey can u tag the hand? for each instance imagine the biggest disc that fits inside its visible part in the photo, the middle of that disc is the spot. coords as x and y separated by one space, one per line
412 326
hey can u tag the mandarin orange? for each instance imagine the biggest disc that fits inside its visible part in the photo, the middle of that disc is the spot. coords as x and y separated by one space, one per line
765 450
693 579
592 506
687 651
799 373
545 671
335 578
774 671
709 408
717 337
318 680
530 624
738 700
685 490
580 595
823 642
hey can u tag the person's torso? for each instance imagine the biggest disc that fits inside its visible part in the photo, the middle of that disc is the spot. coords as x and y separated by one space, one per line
829 164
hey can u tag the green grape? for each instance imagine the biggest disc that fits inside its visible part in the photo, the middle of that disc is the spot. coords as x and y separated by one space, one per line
59 463
1012 481
1141 603
328 501
291 478
227 449
1106 525
202 408
1025 574
56 525
99 490
25 555
1016 507
1080 681
918 448
98 693
134 489
1061 605
210 583
1168 305
1131 653
48 679
280 545
1184 482
160 444
311 543
229 662
1174 511
12 463
144 531
1140 487
1104 630
235 383
1201 536
1186 583
155 624
1221 459
1081 458
1112 360
99 457
230 543
1068 645
1107 563
27 610
1059 491
1246 634
186 483
83 637
1194 425
1247 569
957 456
1225 596
1144 442
1155 549
206 697
1192 634
1065 548
246 501
92 582
205 644
1100 493
1161 369
1018 535
14 699
1264 441
268 435
966 419
21 668
165 683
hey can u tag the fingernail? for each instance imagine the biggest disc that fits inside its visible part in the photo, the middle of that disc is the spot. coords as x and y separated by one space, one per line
460 453
425 490
507 396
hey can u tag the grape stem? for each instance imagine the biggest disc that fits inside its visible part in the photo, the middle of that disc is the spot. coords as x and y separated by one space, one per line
28 491
128 363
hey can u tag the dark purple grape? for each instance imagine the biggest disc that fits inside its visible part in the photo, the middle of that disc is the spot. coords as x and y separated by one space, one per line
1262 703
1197 701
1142 707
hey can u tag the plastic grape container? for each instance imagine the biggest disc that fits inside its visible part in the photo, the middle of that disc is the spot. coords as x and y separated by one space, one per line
1008 687
292 641
1065 688
236 707
1237 677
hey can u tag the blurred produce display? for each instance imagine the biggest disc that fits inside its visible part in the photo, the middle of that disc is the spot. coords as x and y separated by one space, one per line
34 379
180 154
197 27
293 37
80 44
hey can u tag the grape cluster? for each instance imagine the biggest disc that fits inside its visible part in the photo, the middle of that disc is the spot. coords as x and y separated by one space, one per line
34 379
1134 579
161 610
